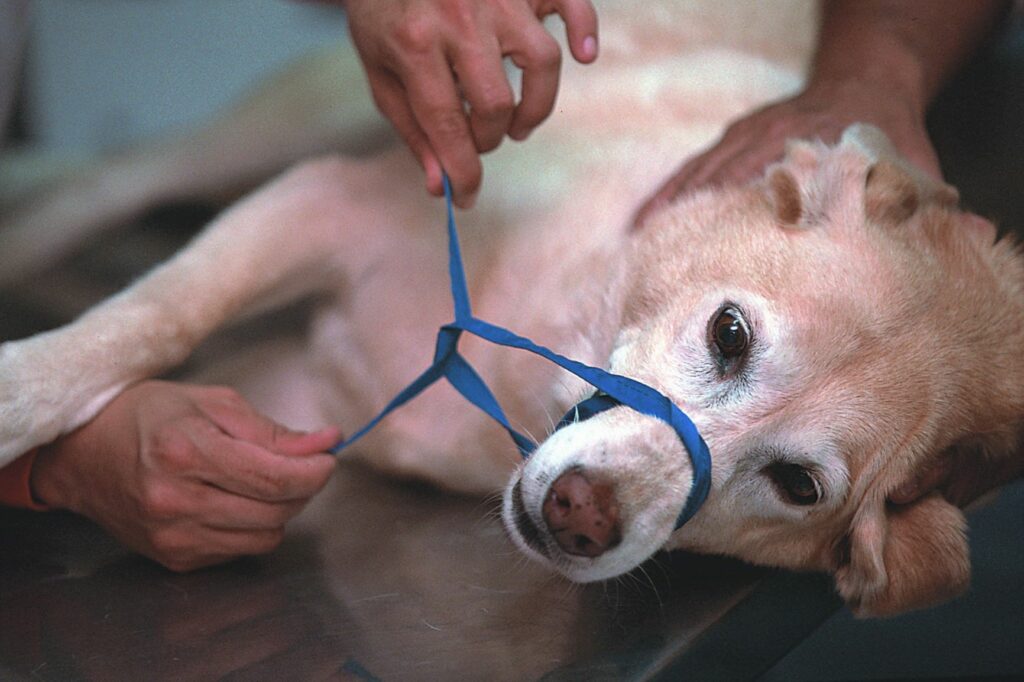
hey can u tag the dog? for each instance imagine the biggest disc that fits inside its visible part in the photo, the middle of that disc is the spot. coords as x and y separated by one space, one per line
835 329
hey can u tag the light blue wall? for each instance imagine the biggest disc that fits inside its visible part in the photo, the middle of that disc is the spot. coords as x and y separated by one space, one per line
103 73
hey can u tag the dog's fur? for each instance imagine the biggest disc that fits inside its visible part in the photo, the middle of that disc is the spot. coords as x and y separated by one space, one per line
886 324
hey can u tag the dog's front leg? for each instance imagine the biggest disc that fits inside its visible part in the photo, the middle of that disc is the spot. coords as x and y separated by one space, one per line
283 241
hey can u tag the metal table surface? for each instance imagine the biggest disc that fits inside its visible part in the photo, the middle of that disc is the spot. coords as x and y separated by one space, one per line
377 580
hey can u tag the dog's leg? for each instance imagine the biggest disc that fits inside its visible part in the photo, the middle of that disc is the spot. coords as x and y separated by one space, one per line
303 232
316 105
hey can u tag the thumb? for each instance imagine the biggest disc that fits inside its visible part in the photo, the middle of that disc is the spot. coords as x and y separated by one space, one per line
297 443
238 419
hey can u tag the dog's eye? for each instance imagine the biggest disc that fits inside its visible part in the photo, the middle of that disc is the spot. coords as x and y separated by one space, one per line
729 334
795 483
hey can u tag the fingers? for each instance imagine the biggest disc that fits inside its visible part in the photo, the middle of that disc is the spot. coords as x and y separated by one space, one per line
537 55
580 19
227 444
251 471
436 71
490 97
393 102
219 510
235 417
438 110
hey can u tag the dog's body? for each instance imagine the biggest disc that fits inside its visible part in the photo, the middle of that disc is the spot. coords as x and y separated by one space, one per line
867 301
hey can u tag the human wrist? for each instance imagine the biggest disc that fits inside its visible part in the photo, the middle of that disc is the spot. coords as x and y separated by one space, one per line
51 481
896 80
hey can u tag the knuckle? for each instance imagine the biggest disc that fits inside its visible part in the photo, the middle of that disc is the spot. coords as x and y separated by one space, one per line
494 103
172 449
544 54
459 13
159 502
415 34
447 124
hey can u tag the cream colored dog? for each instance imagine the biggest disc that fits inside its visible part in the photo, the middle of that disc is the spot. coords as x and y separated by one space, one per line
833 330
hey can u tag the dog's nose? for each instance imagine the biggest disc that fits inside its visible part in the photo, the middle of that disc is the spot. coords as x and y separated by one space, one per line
582 514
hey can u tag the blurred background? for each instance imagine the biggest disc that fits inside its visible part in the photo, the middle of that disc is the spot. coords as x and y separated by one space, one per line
102 74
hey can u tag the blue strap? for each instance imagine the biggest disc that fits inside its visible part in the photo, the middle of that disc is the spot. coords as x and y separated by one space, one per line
587 408
614 390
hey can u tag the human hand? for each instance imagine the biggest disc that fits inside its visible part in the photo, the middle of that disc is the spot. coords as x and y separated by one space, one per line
821 112
187 475
424 57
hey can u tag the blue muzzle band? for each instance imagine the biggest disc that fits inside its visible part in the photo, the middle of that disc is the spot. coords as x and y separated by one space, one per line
612 390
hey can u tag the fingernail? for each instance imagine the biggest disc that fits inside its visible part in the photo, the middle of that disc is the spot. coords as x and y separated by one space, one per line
589 48
519 135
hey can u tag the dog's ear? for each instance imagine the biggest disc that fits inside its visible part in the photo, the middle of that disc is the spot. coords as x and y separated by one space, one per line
901 557
784 194
890 196
894 188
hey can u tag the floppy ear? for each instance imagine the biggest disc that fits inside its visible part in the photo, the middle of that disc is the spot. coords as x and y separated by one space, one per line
894 188
784 195
902 557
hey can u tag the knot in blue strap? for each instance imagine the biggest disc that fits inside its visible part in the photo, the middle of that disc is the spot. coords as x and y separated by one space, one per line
612 390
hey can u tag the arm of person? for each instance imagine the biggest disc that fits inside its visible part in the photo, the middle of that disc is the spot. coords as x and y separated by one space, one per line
436 71
187 475
877 61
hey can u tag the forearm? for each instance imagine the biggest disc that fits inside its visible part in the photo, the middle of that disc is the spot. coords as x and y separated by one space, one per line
907 47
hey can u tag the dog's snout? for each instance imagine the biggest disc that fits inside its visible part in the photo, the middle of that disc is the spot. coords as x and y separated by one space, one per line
582 514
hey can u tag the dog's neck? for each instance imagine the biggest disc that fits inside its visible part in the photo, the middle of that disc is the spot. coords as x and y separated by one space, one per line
990 380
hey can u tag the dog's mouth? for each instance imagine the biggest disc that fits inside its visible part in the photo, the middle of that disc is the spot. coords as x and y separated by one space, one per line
528 530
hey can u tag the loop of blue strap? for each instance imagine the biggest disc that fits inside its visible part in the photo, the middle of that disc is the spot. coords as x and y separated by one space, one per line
448 363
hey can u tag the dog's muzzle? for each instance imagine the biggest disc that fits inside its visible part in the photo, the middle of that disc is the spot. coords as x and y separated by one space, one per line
601 402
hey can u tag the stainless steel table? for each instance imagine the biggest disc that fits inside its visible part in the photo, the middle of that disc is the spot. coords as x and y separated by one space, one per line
379 580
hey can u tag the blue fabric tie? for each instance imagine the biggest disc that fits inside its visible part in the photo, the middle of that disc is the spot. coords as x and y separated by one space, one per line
612 390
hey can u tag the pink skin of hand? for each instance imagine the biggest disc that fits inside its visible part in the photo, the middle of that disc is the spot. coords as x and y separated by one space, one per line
187 475
436 71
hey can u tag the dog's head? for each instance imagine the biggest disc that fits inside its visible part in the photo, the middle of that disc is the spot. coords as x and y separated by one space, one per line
823 330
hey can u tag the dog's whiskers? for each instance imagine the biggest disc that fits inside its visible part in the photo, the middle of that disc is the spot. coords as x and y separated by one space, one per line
654 587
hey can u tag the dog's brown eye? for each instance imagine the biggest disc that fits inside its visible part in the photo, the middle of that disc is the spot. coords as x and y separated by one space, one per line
796 484
729 333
